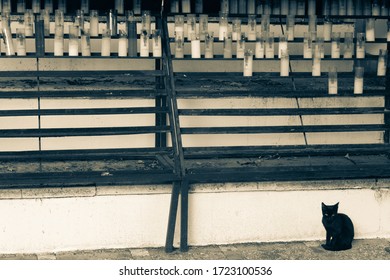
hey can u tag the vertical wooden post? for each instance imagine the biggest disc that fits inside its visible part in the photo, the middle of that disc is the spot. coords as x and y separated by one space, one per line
184 216
161 119
172 217
387 99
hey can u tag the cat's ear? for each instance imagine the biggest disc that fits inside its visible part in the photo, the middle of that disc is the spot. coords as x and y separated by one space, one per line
323 206
336 206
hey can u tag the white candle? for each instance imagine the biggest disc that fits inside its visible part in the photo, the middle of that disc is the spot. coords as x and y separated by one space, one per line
223 26
252 28
301 7
20 7
122 46
137 7
179 26
222 32
312 23
157 50
327 30
311 8
179 32
106 43
203 26
282 46
225 6
191 26
350 8
179 50
335 49
227 46
236 29
360 46
284 64
36 6
348 45
382 63
307 46
332 81
290 26
174 6
248 64
342 7
28 23
46 21
73 47
358 86
269 47
241 47
195 47
186 6
284 7
20 42
59 45
209 45
292 7
85 45
358 82
144 44
388 32
316 64
94 23
370 30
260 46
376 9
62 6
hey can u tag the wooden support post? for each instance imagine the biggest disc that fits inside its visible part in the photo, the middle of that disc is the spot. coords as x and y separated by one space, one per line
172 217
387 99
184 216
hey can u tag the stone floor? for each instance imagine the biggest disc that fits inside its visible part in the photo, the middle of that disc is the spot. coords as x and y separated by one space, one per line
367 249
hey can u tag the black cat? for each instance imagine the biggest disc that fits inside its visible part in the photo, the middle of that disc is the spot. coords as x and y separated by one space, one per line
339 229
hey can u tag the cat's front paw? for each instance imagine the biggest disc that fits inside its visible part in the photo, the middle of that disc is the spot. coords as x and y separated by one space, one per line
325 246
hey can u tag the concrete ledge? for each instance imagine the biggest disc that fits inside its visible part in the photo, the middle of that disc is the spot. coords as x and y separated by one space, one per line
63 219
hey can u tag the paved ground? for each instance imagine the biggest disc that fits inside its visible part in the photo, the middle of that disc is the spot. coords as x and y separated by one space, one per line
368 249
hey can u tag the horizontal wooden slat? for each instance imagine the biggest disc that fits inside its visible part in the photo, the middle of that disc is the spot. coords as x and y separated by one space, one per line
189 93
70 132
60 179
239 75
92 111
282 129
83 93
281 112
93 154
286 151
79 74
300 173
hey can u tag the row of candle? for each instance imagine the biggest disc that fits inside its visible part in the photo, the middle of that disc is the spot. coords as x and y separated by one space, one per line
147 45
292 7
332 74
36 7
201 27
79 20
265 45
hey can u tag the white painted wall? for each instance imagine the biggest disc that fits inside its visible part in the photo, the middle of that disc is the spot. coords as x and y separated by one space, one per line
51 220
